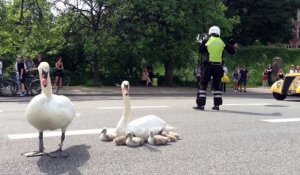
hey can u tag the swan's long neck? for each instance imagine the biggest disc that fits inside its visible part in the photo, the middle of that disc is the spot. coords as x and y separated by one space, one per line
48 89
122 124
127 108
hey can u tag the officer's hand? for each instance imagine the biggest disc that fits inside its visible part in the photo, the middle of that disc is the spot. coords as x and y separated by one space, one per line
236 45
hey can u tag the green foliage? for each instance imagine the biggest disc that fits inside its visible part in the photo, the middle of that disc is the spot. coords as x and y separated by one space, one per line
112 40
256 59
265 21
153 32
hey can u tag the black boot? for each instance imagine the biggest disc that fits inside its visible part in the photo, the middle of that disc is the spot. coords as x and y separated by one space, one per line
199 108
216 108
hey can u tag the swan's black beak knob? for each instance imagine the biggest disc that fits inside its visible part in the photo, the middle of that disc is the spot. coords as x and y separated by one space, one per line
44 77
44 74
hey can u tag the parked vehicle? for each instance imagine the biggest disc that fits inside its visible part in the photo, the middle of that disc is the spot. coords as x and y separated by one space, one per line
289 86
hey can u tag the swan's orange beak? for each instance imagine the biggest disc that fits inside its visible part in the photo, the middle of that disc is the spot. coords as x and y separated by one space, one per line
44 78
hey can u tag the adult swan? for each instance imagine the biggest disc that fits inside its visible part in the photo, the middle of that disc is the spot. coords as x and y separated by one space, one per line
140 126
48 111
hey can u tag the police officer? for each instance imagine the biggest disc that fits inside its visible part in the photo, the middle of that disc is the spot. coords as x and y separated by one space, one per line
212 51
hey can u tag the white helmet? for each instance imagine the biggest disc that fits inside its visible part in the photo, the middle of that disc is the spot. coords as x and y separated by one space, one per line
215 30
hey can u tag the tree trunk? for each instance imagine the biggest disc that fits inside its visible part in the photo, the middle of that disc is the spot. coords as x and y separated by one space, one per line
96 70
169 66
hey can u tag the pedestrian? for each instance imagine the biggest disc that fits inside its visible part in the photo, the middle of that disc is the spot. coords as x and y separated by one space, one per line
270 71
264 78
59 67
145 77
29 66
235 77
224 79
212 49
298 69
21 73
197 74
1 70
244 78
150 74
292 69
39 60
280 74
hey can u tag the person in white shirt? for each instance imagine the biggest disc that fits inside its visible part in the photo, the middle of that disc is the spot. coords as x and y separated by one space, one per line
292 70
224 78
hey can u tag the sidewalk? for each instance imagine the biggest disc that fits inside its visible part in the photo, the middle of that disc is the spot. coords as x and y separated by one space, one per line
155 91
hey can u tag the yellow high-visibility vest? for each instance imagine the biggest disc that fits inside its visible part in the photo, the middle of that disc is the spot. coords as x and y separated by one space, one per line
215 47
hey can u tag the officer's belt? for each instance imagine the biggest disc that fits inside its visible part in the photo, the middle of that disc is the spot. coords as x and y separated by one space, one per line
214 63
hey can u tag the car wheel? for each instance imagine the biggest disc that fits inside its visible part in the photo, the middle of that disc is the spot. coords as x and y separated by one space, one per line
279 96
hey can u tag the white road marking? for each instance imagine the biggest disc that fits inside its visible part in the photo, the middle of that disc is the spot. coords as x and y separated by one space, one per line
1 110
247 104
133 107
78 114
282 120
54 134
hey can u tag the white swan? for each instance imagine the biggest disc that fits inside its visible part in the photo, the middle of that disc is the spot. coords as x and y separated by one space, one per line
48 111
140 126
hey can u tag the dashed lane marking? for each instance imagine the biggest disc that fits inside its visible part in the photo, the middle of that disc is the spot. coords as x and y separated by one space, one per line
247 104
133 107
282 120
55 133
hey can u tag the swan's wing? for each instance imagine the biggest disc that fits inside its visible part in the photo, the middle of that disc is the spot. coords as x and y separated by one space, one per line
138 132
147 122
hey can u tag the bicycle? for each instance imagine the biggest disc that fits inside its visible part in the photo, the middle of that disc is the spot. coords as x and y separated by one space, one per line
8 87
32 84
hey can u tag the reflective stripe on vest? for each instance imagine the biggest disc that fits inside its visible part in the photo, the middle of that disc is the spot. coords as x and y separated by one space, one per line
215 47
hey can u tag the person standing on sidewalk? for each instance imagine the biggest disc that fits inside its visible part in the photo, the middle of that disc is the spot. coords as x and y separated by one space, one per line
244 78
59 74
224 79
21 73
1 69
212 51
269 71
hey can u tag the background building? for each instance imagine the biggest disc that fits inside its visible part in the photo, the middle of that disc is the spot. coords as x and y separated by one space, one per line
295 41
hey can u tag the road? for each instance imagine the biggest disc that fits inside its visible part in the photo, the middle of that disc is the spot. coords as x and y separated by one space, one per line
251 134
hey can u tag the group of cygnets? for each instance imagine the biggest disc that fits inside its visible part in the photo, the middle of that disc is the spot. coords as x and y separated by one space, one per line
149 128
162 138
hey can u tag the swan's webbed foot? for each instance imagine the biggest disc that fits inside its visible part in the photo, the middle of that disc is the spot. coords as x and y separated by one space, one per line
34 154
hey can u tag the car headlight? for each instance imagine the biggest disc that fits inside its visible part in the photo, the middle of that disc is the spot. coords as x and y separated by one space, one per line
279 84
296 84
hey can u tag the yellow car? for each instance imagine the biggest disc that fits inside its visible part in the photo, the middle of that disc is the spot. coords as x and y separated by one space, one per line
289 86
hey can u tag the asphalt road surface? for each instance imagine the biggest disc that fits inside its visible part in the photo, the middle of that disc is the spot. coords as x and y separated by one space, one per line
249 135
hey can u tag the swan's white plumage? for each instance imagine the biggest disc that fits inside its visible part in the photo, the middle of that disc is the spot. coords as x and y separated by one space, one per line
48 111
140 126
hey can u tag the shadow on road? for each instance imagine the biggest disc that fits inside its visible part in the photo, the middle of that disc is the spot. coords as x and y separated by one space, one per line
250 113
78 156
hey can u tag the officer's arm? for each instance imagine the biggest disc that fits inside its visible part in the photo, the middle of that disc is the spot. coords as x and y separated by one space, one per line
203 48
229 48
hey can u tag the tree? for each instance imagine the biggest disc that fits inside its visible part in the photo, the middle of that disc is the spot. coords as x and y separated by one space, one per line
265 21
165 31
89 17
